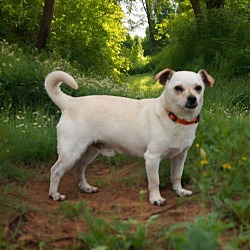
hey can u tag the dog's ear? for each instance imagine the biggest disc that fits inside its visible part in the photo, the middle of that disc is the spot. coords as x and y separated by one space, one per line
207 79
163 76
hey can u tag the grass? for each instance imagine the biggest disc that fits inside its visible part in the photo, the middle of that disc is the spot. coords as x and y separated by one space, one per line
217 168
27 138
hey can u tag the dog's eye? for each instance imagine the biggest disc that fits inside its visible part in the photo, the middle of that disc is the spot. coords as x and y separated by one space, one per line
198 88
178 88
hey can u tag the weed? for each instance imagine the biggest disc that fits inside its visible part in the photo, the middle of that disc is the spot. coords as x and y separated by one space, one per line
117 234
202 234
71 210
236 210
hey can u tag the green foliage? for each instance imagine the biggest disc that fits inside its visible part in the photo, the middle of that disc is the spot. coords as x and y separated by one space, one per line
20 20
87 32
238 210
142 86
129 234
26 138
133 52
221 45
22 75
91 33
72 211
202 234
22 78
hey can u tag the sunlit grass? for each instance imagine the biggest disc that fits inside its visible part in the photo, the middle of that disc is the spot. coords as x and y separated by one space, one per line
142 86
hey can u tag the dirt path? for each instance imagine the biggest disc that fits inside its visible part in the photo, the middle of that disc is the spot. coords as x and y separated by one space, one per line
118 198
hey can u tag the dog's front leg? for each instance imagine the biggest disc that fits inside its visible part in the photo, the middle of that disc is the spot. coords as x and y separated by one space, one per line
152 167
176 174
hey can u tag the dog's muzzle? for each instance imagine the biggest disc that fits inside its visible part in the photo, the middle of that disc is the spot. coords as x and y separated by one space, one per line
191 102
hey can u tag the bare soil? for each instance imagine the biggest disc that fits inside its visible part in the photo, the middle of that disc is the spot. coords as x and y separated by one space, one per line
118 198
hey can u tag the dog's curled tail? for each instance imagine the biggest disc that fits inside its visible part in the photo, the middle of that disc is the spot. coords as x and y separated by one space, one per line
52 86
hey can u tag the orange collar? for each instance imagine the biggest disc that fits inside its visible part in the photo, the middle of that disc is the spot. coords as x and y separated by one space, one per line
174 118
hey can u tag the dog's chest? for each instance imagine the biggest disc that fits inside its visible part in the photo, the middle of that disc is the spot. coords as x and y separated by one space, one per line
177 142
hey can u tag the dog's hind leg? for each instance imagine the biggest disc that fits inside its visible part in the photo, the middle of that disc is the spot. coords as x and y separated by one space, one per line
68 156
57 171
81 166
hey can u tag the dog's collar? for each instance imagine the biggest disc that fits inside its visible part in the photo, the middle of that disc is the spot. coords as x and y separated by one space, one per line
174 118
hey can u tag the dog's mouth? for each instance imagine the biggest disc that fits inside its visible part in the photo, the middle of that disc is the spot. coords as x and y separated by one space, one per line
191 105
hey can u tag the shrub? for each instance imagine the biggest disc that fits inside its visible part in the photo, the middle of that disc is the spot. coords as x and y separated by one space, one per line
222 46
22 78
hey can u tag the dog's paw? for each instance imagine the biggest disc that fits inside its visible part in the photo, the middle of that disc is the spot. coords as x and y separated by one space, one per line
183 192
90 190
158 202
57 197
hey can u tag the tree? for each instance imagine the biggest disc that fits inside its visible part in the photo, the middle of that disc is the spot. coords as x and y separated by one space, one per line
210 4
45 24
197 12
156 11
91 33
19 20
148 7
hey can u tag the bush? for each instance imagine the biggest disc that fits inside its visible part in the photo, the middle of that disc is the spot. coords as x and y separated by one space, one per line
222 46
22 78
22 75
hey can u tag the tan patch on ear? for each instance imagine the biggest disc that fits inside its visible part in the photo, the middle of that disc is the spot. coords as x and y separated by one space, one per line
163 76
207 79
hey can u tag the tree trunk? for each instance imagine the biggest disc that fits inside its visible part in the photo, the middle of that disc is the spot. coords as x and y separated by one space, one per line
198 12
148 10
45 24
211 4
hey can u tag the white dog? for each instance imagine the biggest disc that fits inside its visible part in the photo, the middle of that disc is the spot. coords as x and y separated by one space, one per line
156 128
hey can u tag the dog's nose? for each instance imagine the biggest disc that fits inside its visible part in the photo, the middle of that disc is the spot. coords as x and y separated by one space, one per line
191 102
191 99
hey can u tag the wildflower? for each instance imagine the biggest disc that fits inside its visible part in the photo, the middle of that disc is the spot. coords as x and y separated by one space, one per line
142 193
204 162
204 173
243 158
226 165
197 145
20 125
203 153
19 118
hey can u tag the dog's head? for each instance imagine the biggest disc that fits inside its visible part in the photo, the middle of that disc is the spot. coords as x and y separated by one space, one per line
184 89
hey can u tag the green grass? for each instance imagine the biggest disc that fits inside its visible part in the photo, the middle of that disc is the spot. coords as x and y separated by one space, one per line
26 139
217 168
142 86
